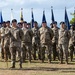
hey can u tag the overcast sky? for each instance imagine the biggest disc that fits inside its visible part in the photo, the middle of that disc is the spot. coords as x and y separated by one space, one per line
38 6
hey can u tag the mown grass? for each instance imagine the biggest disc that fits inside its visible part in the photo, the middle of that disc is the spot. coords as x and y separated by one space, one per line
38 68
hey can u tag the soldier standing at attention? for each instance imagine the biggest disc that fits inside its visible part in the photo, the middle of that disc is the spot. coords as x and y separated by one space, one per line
63 42
2 33
7 42
55 40
27 41
36 40
16 36
46 35
72 41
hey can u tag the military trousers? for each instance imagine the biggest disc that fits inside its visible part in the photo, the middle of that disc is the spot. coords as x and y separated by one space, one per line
47 49
7 53
13 51
26 51
63 52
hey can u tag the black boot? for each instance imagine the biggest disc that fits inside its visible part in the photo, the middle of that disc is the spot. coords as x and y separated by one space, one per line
13 65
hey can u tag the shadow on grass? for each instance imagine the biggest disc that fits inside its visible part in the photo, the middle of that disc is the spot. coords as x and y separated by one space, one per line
65 70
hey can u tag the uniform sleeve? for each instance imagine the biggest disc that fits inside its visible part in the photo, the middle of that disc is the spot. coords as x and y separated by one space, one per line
21 34
52 34
69 34
31 33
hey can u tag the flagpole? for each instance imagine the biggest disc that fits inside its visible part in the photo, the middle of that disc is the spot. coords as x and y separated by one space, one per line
51 7
74 15
31 10
12 14
21 9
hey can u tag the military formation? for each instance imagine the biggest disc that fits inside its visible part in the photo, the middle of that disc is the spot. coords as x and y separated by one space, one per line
26 43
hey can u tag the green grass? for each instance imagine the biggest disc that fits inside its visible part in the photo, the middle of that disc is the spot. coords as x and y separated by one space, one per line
38 68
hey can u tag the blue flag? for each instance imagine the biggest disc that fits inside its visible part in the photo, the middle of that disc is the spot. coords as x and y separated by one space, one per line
67 20
44 18
1 18
32 21
52 14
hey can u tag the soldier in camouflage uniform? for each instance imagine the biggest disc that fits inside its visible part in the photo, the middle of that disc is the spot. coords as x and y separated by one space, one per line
36 41
46 35
7 42
72 41
16 35
27 42
2 33
64 36
51 25
55 40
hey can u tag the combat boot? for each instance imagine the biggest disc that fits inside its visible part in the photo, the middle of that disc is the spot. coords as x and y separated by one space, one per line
13 65
49 61
20 65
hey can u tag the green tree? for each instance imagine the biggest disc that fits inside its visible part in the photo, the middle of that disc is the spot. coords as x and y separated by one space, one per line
72 21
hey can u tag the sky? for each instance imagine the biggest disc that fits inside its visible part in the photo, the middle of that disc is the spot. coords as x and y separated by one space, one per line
38 7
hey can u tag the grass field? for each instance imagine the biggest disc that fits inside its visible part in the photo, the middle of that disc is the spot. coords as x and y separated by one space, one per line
38 68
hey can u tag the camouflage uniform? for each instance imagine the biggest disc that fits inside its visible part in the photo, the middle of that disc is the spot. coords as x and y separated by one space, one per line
72 43
36 42
16 36
27 43
64 36
46 35
55 42
6 44
2 33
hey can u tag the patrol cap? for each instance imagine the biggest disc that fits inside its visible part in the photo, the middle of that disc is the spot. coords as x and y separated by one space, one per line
51 23
62 22
35 22
14 20
44 22
3 22
24 22
55 22
7 21
19 23
28 24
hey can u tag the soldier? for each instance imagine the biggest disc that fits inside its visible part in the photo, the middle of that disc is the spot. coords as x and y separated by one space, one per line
2 33
36 40
72 41
55 40
46 35
16 36
51 25
27 42
7 42
64 36
28 25
20 25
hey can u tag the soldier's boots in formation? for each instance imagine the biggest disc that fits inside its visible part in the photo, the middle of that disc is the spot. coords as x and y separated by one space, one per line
13 65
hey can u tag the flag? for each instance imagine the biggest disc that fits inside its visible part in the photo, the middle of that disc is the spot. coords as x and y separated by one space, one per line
21 15
44 18
1 18
52 14
32 21
67 20
12 17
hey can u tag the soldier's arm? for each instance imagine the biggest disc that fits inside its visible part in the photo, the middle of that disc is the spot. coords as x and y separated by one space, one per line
21 34
0 34
52 34
69 34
